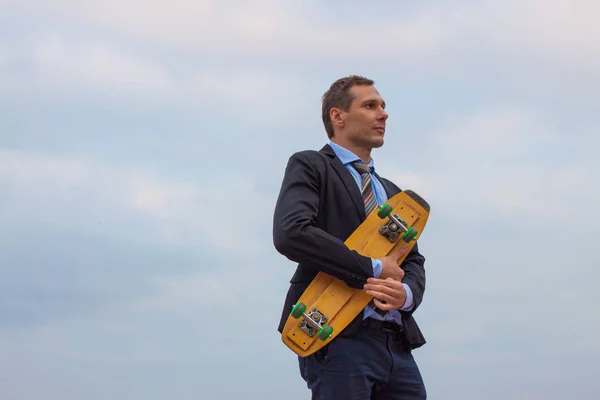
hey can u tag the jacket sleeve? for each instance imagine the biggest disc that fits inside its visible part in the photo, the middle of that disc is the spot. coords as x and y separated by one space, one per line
414 276
295 235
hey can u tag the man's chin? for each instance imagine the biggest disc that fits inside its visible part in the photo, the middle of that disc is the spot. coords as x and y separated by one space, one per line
377 142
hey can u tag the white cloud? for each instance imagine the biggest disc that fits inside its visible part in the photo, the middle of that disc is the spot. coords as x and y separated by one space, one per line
501 133
57 66
188 212
254 90
157 198
553 36
459 40
237 28
553 28
505 161
225 287
33 173
557 32
63 65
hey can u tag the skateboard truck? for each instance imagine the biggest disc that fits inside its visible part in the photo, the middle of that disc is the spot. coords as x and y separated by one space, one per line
312 321
395 226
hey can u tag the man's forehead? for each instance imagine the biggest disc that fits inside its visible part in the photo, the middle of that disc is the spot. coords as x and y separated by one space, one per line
366 92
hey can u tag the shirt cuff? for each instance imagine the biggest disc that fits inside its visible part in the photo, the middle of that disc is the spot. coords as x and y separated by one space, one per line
377 267
409 303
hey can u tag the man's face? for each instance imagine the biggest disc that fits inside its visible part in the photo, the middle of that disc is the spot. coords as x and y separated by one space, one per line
364 122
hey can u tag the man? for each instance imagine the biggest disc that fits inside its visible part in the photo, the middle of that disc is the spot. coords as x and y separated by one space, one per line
320 204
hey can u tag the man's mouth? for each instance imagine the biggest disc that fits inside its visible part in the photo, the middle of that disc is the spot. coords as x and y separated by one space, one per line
380 129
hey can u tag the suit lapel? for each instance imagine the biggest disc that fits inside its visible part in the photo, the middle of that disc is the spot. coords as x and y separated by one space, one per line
348 180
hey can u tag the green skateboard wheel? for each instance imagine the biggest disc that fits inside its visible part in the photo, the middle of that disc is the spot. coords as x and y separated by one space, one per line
325 332
409 235
298 310
384 211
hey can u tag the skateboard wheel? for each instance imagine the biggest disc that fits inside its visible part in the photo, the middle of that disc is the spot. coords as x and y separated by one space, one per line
325 332
298 310
409 235
384 211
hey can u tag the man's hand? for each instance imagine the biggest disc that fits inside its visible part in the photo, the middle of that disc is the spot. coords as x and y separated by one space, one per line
389 294
388 291
390 264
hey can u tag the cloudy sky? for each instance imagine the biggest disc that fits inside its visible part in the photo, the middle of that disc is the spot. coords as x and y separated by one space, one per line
142 146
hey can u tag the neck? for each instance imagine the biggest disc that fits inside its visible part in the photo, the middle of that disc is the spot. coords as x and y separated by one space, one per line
362 152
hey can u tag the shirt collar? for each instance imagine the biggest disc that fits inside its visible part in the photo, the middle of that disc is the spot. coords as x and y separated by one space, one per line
347 157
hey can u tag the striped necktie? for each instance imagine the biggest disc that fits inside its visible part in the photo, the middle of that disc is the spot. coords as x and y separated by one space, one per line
368 194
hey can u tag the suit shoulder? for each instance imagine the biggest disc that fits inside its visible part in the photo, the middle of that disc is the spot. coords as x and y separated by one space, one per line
312 157
386 181
308 153
304 153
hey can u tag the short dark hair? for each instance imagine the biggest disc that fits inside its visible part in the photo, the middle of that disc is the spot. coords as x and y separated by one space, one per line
338 96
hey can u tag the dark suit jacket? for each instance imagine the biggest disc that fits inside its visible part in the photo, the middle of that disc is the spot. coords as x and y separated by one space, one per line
318 208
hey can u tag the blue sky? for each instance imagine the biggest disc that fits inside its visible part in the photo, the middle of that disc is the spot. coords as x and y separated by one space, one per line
134 135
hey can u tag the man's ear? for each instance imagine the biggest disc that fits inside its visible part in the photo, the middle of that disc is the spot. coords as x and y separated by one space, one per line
337 117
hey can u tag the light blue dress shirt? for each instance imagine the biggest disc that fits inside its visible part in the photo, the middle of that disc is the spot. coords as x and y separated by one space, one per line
347 158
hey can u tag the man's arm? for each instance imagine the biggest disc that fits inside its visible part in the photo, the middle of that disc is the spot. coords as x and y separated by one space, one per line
414 277
389 289
296 237
393 292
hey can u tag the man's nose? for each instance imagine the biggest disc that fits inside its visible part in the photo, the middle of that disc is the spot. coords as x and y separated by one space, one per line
383 114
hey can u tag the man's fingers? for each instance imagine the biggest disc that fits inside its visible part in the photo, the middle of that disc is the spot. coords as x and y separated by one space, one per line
383 301
383 306
380 288
388 294
387 282
382 292
380 296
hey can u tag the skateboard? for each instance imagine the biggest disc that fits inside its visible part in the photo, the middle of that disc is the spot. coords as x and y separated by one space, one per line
328 304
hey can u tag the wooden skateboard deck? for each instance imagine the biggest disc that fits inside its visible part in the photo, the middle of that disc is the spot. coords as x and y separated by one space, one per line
328 305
